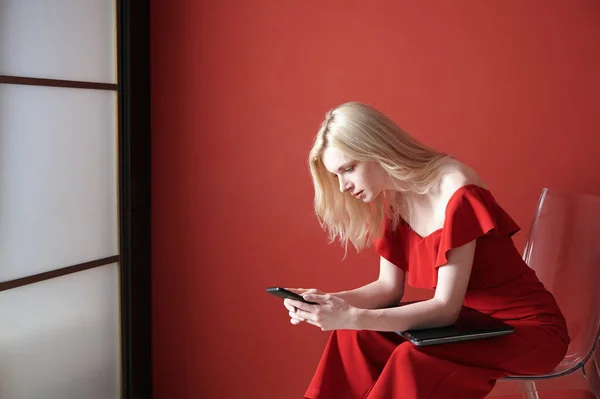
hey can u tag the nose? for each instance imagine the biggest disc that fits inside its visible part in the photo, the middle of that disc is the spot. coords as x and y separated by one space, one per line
344 185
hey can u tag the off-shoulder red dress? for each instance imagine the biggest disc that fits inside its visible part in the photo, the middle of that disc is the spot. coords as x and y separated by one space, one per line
381 365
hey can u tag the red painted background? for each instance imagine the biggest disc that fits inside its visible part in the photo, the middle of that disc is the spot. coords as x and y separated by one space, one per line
238 91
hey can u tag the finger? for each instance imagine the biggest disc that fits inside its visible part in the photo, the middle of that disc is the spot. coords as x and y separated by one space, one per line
301 305
306 316
289 307
295 321
295 316
301 291
313 291
318 298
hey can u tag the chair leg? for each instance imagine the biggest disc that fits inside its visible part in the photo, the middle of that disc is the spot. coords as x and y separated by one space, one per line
593 376
528 390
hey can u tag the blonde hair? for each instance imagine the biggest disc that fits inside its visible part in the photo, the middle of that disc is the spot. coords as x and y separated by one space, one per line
367 135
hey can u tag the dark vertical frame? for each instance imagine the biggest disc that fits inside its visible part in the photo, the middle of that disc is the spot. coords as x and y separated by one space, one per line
133 37
133 132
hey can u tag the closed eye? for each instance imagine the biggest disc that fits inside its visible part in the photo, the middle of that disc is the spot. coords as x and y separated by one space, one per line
347 169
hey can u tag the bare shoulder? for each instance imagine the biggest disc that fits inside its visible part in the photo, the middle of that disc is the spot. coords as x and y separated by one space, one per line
455 176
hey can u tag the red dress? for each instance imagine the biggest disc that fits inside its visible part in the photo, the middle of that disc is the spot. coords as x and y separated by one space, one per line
382 365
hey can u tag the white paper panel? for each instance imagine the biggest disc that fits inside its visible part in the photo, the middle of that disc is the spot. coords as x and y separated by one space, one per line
58 178
60 339
58 39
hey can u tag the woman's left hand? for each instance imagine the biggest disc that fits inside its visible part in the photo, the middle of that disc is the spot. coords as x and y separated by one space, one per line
330 313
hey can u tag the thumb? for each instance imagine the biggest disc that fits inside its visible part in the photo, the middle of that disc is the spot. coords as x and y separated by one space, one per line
318 298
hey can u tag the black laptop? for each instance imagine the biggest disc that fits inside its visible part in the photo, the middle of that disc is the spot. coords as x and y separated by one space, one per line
471 324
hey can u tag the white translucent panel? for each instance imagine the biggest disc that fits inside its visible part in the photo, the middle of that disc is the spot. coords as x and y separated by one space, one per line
58 178
59 39
60 338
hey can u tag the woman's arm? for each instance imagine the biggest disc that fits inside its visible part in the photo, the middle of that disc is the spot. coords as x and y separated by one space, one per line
386 291
442 310
332 313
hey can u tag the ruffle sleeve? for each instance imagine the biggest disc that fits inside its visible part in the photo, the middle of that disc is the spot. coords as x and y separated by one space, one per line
472 213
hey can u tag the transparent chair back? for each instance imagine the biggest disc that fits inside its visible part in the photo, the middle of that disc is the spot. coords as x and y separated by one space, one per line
564 250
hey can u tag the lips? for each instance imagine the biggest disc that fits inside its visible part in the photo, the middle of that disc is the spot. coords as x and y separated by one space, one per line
358 193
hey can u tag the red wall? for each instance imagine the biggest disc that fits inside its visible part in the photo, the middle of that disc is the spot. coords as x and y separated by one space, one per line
238 91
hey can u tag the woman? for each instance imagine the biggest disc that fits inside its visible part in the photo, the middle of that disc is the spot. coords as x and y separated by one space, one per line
436 225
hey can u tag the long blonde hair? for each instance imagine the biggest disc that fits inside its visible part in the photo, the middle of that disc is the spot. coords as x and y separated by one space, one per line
368 135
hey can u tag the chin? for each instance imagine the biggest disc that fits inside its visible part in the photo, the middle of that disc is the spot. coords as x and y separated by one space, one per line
370 198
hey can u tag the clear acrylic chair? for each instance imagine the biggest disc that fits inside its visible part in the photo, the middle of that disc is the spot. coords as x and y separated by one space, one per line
564 250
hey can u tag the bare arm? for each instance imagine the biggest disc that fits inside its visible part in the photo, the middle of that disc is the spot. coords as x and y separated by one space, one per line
387 290
443 309
332 312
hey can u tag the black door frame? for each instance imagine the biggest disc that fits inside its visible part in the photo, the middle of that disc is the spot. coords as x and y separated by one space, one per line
133 25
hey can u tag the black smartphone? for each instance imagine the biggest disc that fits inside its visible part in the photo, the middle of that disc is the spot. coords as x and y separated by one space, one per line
283 293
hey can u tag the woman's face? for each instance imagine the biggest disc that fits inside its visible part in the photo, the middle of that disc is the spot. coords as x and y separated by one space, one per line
364 180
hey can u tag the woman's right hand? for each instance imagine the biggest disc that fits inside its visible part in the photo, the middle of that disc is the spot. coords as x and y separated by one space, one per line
294 319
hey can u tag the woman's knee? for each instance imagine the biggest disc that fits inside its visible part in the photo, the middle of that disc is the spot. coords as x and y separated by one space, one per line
406 353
